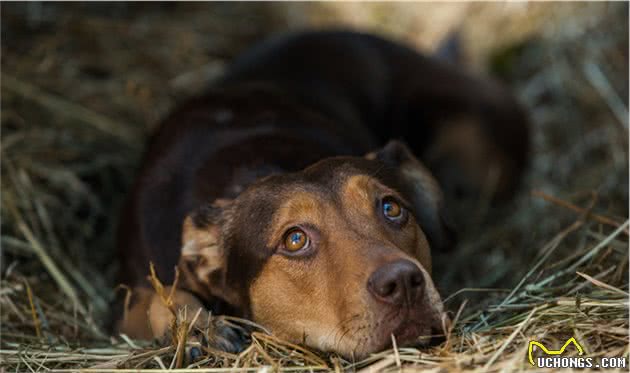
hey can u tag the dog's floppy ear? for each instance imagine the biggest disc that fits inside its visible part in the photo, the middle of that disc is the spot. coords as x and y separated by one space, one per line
422 190
203 256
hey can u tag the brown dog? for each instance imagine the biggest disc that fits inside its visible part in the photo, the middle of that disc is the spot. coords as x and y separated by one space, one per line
268 194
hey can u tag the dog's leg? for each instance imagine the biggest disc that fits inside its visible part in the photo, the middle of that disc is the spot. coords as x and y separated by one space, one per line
146 316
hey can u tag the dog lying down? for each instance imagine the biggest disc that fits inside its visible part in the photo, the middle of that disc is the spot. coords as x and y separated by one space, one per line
302 192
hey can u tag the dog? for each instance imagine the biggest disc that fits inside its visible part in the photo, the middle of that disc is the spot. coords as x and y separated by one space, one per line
303 191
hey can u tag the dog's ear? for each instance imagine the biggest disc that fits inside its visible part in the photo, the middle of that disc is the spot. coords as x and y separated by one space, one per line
422 190
203 256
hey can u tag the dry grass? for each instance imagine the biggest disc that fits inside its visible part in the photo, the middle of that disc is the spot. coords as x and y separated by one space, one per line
83 85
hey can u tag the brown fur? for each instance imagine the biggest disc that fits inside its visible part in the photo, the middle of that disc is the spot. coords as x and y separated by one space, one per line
308 299
286 139
476 162
148 317
284 290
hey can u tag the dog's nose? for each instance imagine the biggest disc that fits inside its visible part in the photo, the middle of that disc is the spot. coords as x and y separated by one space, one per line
397 282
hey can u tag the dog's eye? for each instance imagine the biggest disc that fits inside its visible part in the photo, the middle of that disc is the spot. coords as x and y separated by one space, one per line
295 239
392 209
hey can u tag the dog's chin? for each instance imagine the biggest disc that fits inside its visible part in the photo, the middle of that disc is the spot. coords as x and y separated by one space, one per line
406 332
410 333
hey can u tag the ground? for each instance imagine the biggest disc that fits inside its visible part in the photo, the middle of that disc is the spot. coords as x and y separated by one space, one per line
83 85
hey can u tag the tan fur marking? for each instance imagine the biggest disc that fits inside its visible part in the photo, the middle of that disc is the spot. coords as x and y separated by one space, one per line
135 322
300 207
359 193
463 141
149 318
202 246
327 294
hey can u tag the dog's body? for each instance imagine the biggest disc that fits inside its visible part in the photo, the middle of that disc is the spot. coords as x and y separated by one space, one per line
265 193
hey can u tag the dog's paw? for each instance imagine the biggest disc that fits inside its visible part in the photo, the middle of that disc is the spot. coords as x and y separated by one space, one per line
194 348
213 333
194 354
218 333
224 335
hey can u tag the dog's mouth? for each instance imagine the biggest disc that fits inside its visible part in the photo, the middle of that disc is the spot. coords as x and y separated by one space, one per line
413 334
409 331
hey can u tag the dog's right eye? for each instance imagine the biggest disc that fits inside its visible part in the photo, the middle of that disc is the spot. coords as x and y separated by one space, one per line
295 239
391 208
393 211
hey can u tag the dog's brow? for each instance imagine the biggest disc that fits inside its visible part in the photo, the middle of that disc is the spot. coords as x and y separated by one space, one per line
373 183
298 206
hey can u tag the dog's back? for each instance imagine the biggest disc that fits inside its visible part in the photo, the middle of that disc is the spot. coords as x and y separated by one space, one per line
327 238
460 125
294 100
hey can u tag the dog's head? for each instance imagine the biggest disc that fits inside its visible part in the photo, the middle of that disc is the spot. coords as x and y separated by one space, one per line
336 256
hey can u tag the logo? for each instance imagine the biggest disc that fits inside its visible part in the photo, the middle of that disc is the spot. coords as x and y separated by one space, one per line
553 360
530 350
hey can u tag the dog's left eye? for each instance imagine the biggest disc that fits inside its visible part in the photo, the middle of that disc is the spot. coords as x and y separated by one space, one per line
392 210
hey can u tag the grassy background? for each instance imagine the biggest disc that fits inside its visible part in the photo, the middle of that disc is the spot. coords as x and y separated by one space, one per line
84 84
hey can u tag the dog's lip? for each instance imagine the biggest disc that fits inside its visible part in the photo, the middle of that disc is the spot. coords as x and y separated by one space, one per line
406 331
411 329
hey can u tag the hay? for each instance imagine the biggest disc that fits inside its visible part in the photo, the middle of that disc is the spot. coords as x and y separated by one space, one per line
80 92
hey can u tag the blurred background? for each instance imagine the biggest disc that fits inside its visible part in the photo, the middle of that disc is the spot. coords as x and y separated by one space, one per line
84 84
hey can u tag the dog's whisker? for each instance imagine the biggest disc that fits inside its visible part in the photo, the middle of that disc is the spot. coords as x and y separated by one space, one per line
343 324
296 210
